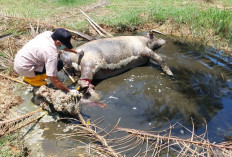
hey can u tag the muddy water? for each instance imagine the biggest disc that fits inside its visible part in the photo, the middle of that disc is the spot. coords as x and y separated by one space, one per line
145 98
200 89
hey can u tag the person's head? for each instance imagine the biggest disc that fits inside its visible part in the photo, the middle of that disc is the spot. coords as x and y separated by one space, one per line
62 38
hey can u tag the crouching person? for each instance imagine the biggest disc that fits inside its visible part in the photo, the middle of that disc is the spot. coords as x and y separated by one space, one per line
38 59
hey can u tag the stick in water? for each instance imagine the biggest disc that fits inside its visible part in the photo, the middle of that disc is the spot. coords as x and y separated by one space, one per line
69 75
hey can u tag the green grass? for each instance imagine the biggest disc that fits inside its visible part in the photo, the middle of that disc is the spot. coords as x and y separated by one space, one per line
217 19
73 2
201 19
7 143
2 55
39 9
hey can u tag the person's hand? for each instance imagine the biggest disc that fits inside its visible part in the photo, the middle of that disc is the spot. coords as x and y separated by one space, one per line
83 83
80 52
74 92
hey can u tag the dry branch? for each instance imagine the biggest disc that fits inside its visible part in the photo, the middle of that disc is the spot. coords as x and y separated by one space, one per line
19 118
50 25
143 143
99 32
92 24
8 60
90 132
11 125
13 79
87 9
97 6
98 137
155 31
186 144
96 26
5 36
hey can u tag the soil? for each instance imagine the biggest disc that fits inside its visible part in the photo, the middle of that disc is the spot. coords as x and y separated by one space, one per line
7 97
8 101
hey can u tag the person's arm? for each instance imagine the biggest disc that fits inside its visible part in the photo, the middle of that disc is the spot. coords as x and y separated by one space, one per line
71 50
58 84
81 52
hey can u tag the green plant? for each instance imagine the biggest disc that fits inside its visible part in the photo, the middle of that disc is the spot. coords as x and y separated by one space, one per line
5 143
201 20
208 1
74 2
1 54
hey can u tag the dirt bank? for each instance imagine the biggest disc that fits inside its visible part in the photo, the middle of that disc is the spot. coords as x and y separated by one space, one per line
8 97
9 144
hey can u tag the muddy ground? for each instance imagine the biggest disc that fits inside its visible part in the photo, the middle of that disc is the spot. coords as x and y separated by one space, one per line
8 97
9 100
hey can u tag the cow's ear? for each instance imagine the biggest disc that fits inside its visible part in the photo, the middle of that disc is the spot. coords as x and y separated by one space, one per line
151 35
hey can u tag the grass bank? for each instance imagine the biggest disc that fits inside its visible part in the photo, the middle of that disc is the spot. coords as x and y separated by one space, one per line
10 146
206 21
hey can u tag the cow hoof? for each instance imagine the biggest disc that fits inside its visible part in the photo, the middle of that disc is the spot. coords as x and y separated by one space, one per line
168 72
94 96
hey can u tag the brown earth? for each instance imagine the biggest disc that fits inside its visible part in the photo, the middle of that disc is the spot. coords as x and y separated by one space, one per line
7 97
8 100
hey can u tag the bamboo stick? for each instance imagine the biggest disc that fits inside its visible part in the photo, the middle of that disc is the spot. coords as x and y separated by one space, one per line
153 30
23 125
99 27
80 34
93 25
99 32
13 79
21 117
69 75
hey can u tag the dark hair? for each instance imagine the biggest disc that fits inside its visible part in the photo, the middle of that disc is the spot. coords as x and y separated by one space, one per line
64 36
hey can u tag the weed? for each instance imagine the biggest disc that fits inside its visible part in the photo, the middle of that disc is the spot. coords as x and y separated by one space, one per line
74 2
202 19
208 1
1 54
11 146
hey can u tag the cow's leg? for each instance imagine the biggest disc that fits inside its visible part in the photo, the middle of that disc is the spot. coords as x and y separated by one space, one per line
87 72
155 57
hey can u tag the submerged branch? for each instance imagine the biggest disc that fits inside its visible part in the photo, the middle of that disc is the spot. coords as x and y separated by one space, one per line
11 125
152 136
